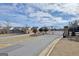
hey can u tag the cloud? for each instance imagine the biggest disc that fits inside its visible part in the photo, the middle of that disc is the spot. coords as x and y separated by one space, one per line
65 7
69 11
45 19
39 14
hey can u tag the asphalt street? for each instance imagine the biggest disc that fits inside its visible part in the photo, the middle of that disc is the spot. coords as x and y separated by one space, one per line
31 47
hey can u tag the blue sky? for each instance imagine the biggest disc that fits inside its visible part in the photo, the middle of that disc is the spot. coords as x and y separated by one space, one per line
38 14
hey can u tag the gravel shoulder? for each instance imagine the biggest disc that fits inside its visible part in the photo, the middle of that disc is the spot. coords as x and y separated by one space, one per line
66 47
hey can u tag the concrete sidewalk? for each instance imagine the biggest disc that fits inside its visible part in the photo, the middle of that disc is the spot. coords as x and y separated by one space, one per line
66 47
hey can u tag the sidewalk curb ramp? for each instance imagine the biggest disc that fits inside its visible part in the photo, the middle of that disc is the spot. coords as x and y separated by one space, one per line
47 51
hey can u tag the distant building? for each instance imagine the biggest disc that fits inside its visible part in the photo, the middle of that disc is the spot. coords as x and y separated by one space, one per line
3 30
21 30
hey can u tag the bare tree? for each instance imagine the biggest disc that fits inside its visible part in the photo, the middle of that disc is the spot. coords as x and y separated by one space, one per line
0 26
34 29
8 25
73 25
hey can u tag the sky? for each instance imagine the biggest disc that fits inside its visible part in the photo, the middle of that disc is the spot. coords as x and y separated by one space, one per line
38 14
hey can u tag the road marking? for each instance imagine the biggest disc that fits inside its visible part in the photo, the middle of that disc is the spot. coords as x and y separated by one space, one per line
48 50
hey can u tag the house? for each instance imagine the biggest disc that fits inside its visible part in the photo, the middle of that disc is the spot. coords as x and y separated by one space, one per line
20 30
3 30
16 30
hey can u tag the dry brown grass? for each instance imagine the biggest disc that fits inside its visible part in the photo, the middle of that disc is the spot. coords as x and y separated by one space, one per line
7 34
16 39
10 40
4 45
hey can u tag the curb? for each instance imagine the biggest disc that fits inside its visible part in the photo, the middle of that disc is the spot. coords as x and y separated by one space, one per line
47 51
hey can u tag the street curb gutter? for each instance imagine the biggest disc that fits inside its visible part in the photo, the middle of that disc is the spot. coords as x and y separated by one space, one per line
47 51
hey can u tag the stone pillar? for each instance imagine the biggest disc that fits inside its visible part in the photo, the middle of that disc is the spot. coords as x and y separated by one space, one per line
66 32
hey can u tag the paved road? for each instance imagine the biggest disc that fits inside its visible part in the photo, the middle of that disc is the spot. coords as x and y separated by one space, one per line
31 47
